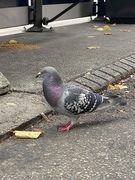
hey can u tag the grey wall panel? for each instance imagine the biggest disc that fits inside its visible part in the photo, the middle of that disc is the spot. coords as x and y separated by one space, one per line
81 10
120 8
16 16
7 3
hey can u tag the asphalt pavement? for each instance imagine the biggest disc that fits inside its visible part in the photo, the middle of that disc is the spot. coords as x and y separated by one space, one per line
102 145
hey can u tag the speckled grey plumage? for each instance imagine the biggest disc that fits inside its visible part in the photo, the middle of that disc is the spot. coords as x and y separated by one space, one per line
69 99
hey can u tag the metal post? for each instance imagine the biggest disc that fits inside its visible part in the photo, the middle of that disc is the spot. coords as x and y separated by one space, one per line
101 8
37 17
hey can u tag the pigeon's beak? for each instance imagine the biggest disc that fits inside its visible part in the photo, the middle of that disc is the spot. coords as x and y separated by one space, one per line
38 75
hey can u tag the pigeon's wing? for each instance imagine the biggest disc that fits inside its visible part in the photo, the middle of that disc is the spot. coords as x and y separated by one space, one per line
79 101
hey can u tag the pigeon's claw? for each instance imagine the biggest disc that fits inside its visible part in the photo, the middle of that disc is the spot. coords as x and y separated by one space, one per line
65 127
65 124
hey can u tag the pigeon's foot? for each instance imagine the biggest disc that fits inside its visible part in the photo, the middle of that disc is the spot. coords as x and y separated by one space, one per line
65 127
65 124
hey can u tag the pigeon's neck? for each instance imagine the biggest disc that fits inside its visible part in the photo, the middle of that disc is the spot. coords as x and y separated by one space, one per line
53 89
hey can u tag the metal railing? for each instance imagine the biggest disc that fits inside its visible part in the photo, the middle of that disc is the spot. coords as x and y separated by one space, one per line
34 12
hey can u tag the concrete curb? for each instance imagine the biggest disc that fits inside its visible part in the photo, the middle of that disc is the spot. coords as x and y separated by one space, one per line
4 84
99 79
23 125
93 80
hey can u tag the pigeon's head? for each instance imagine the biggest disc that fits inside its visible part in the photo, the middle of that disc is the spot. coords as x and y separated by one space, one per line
46 72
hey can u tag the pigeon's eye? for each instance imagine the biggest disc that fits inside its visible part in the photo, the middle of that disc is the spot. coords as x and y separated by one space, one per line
44 72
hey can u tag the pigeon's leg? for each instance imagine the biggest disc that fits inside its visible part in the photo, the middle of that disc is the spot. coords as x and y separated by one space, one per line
67 126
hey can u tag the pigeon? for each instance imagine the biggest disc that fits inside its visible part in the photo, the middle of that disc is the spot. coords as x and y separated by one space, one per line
71 100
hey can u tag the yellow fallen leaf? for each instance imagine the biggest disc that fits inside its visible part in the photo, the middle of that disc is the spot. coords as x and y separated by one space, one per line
27 134
107 33
100 29
12 41
94 26
116 86
125 30
91 36
93 47
106 27
110 87
37 130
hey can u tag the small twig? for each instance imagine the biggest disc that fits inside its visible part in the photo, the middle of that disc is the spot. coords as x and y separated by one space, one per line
44 116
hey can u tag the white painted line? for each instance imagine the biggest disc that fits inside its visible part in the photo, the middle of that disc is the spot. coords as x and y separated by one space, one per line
21 29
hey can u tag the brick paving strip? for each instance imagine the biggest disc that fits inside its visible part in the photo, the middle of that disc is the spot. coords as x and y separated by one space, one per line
94 80
98 79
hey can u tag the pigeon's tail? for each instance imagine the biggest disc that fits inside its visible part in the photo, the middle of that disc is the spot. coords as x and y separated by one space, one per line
111 101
